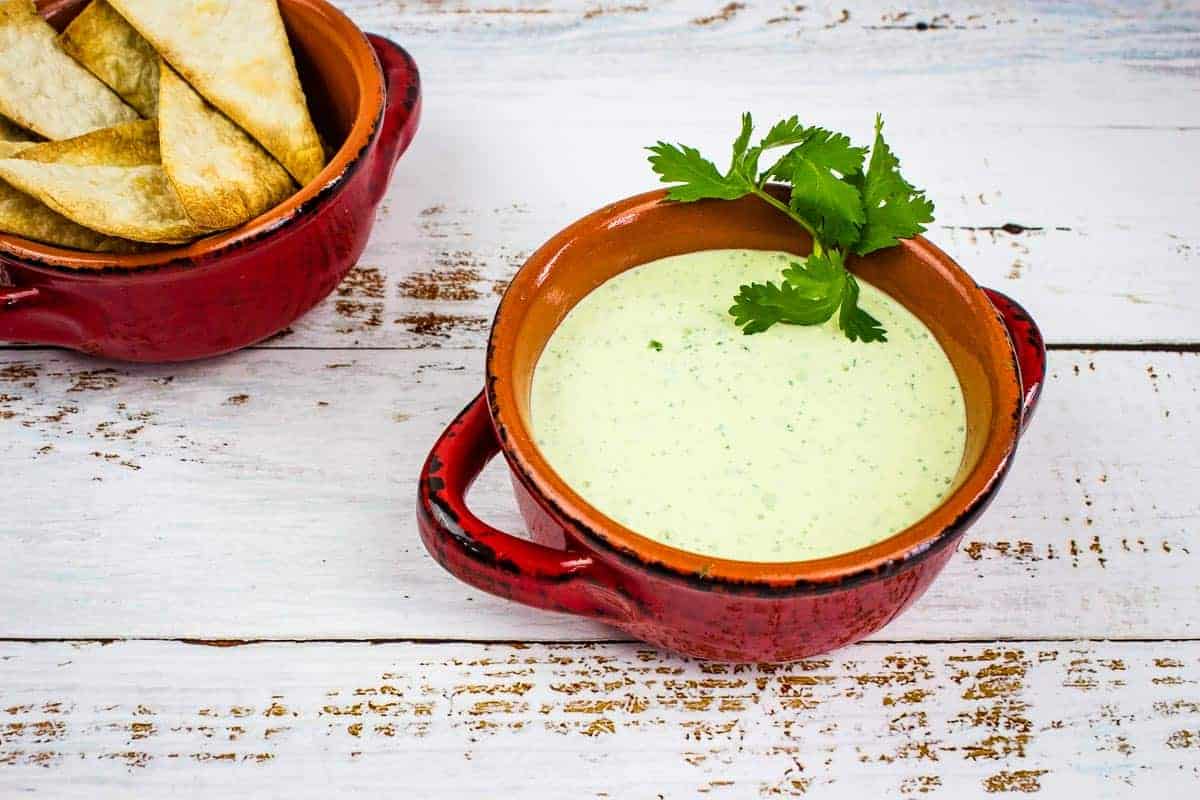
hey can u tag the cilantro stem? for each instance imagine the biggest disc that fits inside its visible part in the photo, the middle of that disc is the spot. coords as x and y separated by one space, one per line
766 196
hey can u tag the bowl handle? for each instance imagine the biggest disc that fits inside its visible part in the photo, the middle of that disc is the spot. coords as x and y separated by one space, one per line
489 559
401 109
1029 347
27 316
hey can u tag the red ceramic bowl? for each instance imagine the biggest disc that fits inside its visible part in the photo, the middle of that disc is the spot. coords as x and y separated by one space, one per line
581 561
235 288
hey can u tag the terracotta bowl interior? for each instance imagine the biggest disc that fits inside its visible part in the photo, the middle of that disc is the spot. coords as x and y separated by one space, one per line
342 83
643 229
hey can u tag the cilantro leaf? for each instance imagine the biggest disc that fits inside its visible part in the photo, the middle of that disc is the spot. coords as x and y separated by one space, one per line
854 321
809 295
758 306
812 292
745 158
820 195
832 150
741 143
697 175
816 168
819 276
894 209
783 133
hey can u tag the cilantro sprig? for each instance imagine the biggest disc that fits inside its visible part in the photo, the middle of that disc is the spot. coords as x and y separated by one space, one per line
849 205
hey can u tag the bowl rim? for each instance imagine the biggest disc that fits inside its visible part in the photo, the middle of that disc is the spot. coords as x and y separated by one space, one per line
939 528
360 59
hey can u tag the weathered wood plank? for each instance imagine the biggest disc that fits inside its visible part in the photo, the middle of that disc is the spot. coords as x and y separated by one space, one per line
1081 120
1044 115
438 285
271 494
1101 720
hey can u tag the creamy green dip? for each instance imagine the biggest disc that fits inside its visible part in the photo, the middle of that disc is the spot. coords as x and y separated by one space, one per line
787 445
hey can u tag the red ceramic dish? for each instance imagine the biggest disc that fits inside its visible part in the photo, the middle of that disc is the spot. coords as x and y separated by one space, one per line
583 562
235 288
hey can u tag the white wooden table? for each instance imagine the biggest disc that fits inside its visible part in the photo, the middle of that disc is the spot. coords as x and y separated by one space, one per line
211 583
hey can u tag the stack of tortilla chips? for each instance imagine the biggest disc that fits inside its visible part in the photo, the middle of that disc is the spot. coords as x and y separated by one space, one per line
148 122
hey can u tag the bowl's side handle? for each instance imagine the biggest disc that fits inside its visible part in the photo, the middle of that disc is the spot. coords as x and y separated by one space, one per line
401 109
1029 347
489 559
28 316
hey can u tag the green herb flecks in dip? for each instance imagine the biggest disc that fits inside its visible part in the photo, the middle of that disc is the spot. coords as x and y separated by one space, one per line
793 444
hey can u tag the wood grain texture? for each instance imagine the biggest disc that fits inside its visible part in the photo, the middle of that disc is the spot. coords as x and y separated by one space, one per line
1059 719
272 494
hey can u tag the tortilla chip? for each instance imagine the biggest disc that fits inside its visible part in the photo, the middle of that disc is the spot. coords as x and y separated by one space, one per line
10 149
44 89
29 218
132 144
236 54
12 132
103 181
221 175
101 40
